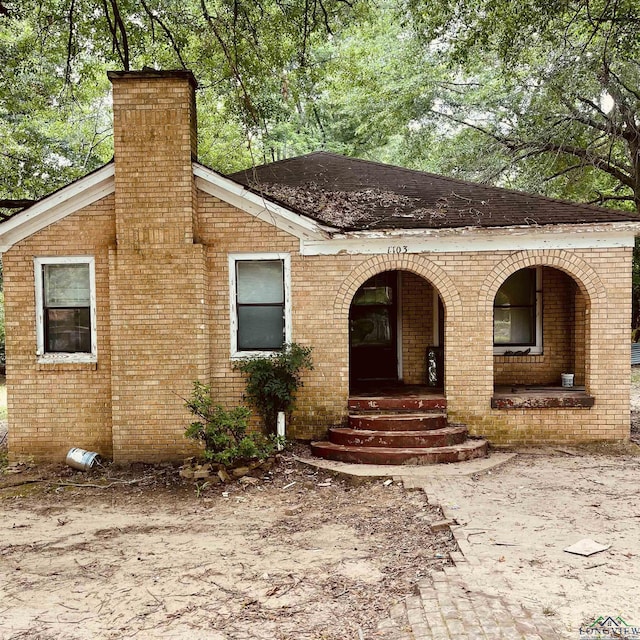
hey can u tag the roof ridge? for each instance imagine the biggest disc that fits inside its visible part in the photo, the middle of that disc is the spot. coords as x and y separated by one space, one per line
278 162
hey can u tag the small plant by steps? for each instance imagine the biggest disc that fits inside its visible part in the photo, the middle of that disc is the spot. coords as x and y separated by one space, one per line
273 381
224 432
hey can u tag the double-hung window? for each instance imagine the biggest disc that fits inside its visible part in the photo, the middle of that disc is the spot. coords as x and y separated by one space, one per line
65 309
517 313
260 309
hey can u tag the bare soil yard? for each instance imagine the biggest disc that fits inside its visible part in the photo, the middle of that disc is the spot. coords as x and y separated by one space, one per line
295 556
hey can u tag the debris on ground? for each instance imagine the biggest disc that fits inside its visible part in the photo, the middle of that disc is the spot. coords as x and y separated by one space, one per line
586 547
141 551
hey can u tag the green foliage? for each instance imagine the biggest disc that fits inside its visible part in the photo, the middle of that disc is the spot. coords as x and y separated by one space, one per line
488 90
550 90
224 433
254 62
272 382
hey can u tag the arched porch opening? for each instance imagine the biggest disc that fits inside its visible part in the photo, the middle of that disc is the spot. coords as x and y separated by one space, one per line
540 335
396 333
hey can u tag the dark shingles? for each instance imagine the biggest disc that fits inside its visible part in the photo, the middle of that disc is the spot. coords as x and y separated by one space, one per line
354 194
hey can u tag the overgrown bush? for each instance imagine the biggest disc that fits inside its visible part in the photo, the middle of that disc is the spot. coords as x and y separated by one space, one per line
224 433
273 381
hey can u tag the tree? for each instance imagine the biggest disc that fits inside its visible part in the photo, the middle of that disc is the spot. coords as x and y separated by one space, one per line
551 89
53 130
253 62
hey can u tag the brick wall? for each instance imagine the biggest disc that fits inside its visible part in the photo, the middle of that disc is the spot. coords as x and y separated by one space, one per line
417 326
53 407
154 361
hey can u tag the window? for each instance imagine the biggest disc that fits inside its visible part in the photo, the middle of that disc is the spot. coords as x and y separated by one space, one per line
517 324
260 313
65 309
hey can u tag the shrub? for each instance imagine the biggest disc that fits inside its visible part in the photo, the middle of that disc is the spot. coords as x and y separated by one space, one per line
224 433
273 381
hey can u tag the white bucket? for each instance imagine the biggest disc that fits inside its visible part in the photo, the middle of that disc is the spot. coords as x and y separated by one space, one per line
81 459
567 379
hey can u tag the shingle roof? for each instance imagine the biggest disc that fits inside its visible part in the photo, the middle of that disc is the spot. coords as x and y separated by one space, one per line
353 194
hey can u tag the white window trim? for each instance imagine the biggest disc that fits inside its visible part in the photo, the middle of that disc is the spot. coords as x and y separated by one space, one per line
536 349
40 342
233 312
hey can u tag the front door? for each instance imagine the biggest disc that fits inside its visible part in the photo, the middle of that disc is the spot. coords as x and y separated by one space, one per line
372 330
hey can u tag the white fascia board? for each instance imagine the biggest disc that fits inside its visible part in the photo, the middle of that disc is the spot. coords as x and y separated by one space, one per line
474 239
58 205
258 206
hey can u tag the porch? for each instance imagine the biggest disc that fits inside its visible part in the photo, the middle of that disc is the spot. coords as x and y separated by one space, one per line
415 397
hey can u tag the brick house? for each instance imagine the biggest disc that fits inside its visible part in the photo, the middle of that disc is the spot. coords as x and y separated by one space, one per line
154 271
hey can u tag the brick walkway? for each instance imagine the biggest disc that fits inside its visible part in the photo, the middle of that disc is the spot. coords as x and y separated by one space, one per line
470 600
447 607
457 604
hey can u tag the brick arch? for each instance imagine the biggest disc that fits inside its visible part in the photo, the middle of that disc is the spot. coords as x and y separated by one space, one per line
582 273
578 269
422 267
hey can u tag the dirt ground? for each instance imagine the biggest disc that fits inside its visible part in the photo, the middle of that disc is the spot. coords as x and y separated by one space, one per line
300 555
295 556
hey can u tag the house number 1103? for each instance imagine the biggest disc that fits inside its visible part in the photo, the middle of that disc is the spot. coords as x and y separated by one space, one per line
397 248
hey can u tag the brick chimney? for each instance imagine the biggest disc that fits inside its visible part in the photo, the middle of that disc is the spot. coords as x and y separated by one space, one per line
155 142
157 274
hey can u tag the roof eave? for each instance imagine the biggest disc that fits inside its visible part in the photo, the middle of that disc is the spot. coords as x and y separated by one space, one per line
478 239
623 226
260 206
58 205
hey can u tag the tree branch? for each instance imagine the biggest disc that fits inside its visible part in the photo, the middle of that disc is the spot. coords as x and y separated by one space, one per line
611 128
67 71
154 18
117 30
622 175
15 204
486 132
325 15
232 63
618 79
123 32
603 198
573 167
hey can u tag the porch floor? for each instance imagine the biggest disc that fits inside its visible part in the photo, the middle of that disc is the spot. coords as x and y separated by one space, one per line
540 397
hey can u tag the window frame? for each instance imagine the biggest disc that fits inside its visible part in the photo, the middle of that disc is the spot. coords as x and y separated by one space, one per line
56 357
233 258
537 347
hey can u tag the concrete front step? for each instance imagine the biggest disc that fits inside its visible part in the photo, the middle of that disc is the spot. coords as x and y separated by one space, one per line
397 403
398 421
443 437
405 455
